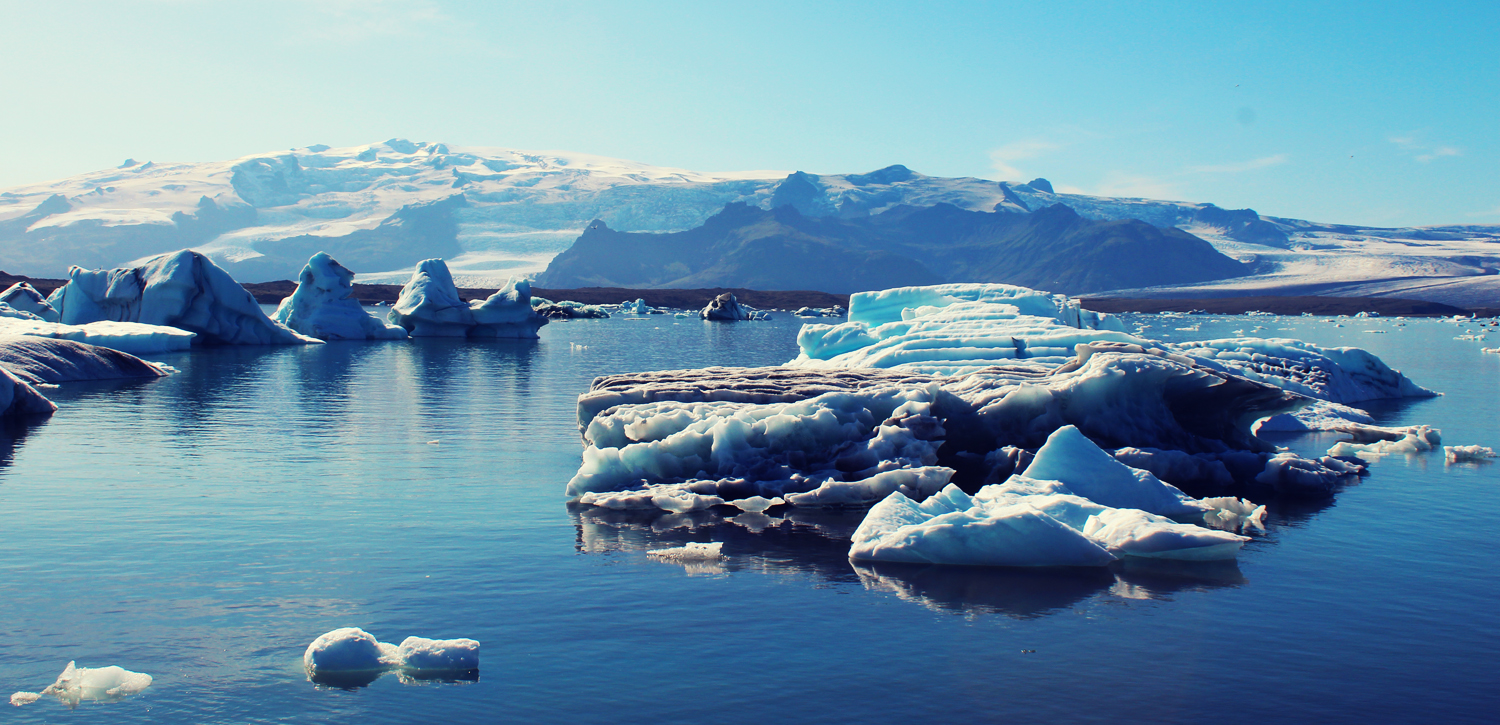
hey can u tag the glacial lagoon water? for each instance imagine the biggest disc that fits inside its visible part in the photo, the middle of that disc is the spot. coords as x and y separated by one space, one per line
204 527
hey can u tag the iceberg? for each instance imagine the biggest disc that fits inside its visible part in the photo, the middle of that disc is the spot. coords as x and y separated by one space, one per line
19 399
130 337
22 297
728 309
352 655
429 306
182 290
96 684
1373 441
691 551
323 306
42 361
1468 454
927 386
1027 522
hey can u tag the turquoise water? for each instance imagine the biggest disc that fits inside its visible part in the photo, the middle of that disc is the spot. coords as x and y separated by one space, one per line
205 527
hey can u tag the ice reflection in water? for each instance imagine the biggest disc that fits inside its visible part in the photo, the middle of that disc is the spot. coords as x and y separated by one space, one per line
816 542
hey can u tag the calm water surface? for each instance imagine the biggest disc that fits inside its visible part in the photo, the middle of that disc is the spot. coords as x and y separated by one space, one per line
205 527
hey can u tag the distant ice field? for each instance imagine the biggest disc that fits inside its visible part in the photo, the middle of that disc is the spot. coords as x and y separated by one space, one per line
205 527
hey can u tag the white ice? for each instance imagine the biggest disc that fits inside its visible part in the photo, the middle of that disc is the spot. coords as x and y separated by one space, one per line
1468 454
183 290
96 684
429 306
353 650
132 337
691 551
1373 441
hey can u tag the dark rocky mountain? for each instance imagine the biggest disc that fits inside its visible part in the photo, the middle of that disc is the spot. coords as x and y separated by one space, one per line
781 249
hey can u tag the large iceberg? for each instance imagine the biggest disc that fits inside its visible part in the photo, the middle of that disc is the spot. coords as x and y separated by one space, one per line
429 306
323 306
181 289
42 361
726 308
959 384
98 684
22 297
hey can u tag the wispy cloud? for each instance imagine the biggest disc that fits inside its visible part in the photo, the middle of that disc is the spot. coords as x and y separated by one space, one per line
1490 214
1241 167
1003 159
353 21
1423 152
1120 183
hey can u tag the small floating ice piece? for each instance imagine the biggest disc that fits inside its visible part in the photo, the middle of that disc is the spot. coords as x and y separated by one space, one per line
691 551
352 651
757 504
98 684
1468 454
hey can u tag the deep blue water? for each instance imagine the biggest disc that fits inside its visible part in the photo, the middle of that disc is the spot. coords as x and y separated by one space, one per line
205 527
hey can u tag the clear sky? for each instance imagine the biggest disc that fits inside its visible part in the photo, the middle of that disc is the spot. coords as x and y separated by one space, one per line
1370 113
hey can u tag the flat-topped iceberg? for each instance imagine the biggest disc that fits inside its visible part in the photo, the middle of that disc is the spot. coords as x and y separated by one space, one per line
323 305
45 361
429 306
181 289
132 337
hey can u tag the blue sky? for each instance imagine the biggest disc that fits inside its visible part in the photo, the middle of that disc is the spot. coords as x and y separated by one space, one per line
1369 113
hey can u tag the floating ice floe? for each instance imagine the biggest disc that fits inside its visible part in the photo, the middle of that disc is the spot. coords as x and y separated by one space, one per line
24 298
429 306
1468 454
567 310
350 655
181 289
89 684
132 337
1373 441
19 399
323 306
690 551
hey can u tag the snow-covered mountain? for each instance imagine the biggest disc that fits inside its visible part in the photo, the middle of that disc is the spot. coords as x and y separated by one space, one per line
496 212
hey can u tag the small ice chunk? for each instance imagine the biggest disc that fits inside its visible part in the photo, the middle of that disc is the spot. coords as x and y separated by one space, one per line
420 653
98 684
691 551
757 504
348 649
1468 454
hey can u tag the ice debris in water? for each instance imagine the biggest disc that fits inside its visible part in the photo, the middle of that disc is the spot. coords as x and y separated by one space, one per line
351 650
691 551
97 684
1374 441
1469 454
323 305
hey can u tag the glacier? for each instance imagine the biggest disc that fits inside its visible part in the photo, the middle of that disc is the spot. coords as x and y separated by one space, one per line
89 684
182 289
429 306
323 306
